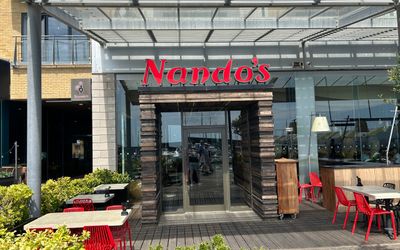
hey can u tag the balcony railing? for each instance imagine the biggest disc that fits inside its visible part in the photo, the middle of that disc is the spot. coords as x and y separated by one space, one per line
56 50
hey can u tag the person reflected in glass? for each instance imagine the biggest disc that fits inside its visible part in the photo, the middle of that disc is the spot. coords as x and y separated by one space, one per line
193 166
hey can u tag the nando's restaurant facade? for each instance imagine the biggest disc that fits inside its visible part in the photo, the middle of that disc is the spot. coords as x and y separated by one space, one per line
236 82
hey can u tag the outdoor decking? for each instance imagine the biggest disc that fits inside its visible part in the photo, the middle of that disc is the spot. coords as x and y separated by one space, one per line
312 229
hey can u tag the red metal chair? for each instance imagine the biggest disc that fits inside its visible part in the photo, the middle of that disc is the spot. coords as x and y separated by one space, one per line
342 199
87 204
363 207
73 209
315 183
115 207
120 232
306 187
100 238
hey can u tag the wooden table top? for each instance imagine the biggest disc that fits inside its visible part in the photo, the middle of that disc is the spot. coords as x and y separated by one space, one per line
96 198
375 192
80 219
118 186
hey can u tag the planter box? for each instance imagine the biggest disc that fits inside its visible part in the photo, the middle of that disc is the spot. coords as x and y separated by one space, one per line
7 181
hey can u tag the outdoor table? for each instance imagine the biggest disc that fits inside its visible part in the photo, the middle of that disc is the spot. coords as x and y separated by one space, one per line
378 192
118 186
119 189
80 219
96 198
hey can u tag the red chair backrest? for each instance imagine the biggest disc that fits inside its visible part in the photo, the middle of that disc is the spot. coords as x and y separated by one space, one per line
87 204
341 196
115 207
314 179
100 238
73 209
362 204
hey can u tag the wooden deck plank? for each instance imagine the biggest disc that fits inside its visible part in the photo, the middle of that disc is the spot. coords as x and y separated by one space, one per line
311 229
196 234
172 237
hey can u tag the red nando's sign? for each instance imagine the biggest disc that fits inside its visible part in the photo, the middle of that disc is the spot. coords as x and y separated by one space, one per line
200 75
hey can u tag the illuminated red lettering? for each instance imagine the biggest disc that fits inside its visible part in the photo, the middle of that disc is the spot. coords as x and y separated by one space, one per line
157 73
200 75
226 71
196 74
264 73
182 78
239 72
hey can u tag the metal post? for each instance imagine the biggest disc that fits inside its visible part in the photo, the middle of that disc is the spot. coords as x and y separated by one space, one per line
397 6
391 134
16 161
34 114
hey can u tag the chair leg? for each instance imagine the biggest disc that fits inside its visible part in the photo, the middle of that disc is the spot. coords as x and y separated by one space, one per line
371 218
312 194
347 217
378 222
393 226
355 223
130 238
334 214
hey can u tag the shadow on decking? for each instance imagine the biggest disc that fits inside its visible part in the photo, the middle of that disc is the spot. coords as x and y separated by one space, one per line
312 229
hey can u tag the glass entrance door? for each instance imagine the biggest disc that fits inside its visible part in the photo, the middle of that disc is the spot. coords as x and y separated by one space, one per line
206 176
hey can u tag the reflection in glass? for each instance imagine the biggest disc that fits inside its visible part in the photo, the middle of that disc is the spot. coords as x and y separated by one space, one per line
360 123
171 161
204 169
239 160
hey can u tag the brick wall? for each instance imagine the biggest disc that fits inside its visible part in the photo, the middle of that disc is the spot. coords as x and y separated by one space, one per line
103 122
56 80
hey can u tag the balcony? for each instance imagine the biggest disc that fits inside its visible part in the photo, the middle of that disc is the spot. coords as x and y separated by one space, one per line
56 50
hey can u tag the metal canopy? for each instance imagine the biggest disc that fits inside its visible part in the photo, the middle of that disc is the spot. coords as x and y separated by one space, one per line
226 22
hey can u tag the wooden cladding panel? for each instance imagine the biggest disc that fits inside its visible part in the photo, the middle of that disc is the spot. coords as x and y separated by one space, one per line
206 97
262 149
149 158
256 171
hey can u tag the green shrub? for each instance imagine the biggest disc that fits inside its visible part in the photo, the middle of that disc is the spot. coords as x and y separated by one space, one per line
217 243
135 190
101 176
14 205
56 192
46 240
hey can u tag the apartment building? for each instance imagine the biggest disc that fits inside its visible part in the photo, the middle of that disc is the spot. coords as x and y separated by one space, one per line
66 93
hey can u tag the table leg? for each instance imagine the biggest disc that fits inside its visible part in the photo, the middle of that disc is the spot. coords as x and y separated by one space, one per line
388 224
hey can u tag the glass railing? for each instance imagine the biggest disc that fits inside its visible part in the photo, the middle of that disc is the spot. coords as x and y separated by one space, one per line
56 50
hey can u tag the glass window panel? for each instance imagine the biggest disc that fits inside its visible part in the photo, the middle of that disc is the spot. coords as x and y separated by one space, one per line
269 13
303 12
56 28
232 13
204 118
171 161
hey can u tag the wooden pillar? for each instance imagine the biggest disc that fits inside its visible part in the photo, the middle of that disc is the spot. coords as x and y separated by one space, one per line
264 197
149 158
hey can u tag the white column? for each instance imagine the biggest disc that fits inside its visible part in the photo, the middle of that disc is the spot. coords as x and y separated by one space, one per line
34 116
305 107
103 122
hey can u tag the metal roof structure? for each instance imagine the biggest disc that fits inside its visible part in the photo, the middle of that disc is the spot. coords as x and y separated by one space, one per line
127 23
